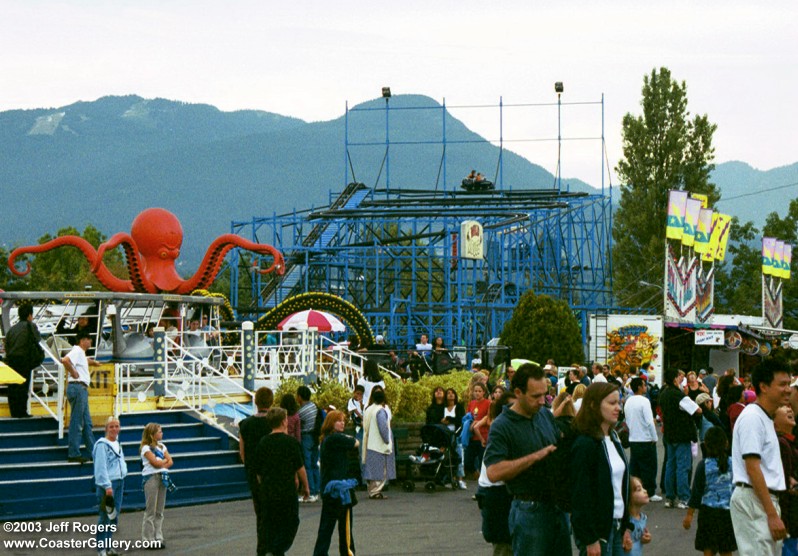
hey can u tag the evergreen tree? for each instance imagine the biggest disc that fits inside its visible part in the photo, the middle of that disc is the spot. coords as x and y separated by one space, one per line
543 328
663 149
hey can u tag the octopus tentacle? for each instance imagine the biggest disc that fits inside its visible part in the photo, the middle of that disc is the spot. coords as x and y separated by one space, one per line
214 256
139 281
102 272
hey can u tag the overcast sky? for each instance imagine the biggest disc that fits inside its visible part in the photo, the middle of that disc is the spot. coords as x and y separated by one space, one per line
308 58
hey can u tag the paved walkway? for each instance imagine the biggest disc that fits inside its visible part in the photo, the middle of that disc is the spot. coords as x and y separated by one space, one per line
444 523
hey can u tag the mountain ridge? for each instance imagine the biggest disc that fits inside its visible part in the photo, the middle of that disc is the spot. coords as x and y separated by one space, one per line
101 162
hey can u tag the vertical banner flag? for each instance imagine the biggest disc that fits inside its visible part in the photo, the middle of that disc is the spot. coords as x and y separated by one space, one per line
677 203
703 231
768 252
701 197
709 256
778 259
787 260
723 227
692 208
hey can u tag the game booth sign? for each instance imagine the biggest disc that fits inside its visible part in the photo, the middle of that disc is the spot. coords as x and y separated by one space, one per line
696 239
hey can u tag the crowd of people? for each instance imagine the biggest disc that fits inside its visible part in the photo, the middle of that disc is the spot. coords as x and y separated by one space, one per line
552 463
578 468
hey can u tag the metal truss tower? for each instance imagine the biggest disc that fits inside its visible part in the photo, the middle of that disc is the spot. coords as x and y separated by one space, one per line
392 251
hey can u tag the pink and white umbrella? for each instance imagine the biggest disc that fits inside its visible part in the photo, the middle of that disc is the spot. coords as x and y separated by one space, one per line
303 320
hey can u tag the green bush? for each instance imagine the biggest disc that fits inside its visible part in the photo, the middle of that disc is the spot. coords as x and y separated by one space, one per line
543 328
333 393
287 386
408 400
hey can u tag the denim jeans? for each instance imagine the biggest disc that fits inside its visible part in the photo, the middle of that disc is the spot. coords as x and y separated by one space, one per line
104 537
613 546
677 471
539 529
79 419
310 453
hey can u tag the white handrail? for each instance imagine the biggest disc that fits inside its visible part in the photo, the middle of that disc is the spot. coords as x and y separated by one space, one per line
46 375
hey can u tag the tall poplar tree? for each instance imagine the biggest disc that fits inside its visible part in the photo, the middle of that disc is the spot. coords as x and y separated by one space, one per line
663 149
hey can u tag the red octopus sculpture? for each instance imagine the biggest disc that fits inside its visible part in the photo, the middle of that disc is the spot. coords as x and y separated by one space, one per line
151 249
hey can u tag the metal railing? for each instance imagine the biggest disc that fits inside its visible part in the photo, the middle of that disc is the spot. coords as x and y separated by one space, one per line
199 379
44 378
201 376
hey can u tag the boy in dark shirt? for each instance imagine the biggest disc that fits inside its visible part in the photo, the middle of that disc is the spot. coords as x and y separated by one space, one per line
279 468
251 430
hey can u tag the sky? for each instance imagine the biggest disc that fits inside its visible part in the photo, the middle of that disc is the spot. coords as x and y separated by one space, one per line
308 59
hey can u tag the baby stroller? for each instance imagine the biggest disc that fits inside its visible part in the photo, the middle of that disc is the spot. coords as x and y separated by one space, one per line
436 460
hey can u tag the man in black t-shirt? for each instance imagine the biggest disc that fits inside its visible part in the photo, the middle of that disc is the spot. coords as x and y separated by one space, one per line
251 430
280 469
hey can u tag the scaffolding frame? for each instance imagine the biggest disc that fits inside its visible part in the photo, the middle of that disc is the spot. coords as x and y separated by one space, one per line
391 250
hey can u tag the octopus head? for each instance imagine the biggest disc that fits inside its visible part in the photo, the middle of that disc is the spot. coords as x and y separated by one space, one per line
158 235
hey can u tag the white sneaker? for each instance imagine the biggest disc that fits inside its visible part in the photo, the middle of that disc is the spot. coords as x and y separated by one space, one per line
681 505
668 503
313 498
655 498
462 485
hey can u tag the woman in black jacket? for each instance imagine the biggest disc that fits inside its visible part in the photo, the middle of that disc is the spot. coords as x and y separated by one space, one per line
435 409
599 476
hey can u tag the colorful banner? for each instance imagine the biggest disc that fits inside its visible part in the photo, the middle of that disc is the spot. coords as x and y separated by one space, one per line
677 204
703 231
772 306
680 304
709 256
705 294
787 261
768 253
701 197
778 259
691 212
721 238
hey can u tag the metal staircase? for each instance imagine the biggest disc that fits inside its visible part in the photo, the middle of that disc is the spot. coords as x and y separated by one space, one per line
37 482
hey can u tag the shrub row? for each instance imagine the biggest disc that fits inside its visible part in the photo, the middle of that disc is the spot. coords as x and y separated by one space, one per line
408 400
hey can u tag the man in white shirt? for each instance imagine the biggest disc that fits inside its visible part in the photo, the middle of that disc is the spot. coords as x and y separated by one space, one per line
423 347
757 471
598 373
77 366
642 437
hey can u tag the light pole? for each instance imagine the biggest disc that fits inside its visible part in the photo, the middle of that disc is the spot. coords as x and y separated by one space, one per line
558 88
659 287
386 94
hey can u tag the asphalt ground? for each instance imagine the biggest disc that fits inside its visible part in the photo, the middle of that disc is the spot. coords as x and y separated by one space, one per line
444 523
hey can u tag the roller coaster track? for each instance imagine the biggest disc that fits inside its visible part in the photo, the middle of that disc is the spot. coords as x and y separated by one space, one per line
314 238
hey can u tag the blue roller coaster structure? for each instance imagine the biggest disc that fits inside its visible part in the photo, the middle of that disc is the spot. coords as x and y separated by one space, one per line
392 251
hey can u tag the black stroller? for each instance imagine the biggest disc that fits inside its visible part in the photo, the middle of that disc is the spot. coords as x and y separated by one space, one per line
436 460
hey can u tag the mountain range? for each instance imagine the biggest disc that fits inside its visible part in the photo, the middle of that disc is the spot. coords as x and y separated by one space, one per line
102 162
